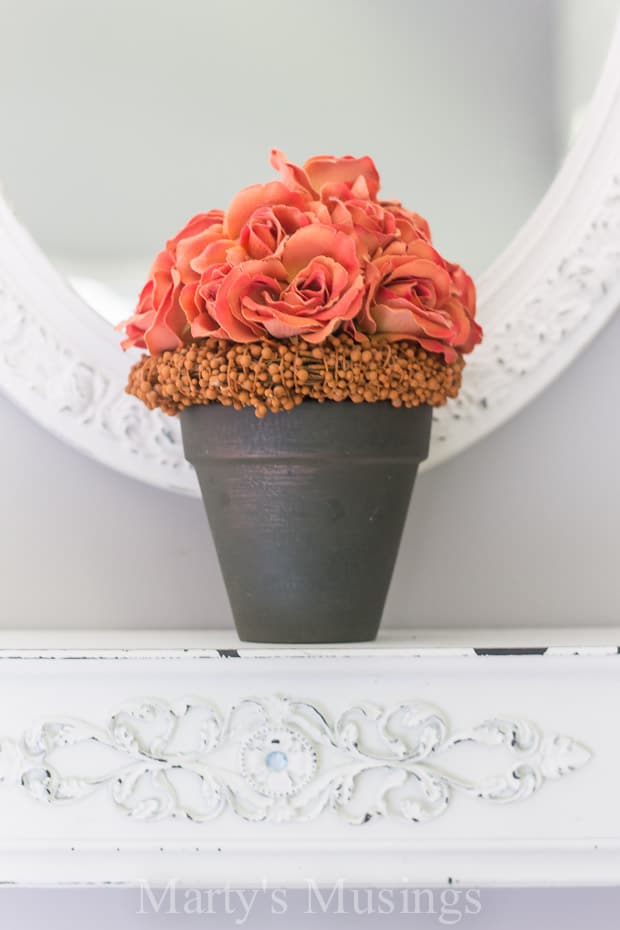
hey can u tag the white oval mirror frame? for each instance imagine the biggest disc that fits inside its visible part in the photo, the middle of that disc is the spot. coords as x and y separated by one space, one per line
540 303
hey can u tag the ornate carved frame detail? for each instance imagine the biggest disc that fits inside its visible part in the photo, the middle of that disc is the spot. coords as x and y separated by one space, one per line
280 760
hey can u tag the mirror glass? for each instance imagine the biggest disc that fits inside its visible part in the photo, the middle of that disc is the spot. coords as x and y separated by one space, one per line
122 119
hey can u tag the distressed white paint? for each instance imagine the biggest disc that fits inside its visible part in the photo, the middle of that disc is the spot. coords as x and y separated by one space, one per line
120 765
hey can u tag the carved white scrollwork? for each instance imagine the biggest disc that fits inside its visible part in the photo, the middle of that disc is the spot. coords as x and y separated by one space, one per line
282 760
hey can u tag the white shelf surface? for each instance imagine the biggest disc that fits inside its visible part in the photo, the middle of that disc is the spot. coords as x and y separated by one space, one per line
389 640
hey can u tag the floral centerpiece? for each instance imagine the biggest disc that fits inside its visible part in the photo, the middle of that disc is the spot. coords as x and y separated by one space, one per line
312 299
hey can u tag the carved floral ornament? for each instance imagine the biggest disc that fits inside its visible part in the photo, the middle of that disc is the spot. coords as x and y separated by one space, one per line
282 760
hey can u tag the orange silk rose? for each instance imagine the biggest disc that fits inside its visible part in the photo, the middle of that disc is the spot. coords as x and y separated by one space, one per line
160 322
313 287
415 294
308 255
268 228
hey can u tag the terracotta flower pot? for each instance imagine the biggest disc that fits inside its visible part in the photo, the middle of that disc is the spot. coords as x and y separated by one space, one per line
307 510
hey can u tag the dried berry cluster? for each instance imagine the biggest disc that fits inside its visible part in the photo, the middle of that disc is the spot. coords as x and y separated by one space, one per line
279 375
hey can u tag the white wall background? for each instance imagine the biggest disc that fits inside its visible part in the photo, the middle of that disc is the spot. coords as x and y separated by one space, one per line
520 529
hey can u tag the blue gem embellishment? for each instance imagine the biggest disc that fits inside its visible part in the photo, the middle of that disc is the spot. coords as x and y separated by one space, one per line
277 761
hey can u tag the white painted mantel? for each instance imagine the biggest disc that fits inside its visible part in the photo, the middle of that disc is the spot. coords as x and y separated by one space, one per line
425 758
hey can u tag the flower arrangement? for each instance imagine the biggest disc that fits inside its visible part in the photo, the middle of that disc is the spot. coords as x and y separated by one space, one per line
308 287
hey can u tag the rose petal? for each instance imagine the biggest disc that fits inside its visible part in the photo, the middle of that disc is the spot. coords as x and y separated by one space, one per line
292 175
327 169
198 224
259 195
314 240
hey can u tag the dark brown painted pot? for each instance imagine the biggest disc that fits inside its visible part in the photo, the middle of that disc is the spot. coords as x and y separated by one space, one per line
307 510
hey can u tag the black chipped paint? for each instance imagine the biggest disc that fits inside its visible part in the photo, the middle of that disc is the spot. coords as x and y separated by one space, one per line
515 651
